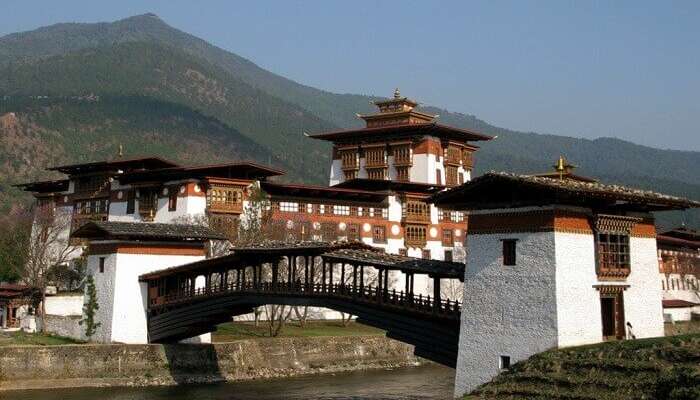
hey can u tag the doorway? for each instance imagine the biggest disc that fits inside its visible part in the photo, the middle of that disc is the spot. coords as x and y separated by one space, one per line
613 316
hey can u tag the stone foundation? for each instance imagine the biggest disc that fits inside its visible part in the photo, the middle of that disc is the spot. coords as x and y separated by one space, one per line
24 367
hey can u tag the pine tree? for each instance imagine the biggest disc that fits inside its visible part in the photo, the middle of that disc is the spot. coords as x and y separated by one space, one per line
89 308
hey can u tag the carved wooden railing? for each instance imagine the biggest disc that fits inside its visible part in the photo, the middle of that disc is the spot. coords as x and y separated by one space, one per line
363 294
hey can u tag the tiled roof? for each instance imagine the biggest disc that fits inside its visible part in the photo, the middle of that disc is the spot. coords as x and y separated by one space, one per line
119 163
145 231
443 269
552 191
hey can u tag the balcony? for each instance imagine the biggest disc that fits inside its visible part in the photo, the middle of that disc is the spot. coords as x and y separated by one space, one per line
415 235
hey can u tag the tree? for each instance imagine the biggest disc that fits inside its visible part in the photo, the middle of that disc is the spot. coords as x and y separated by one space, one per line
14 238
89 308
43 246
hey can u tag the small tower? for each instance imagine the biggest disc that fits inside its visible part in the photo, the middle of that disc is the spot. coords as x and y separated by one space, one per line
396 111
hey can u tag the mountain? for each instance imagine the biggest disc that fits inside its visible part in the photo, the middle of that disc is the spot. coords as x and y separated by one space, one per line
143 56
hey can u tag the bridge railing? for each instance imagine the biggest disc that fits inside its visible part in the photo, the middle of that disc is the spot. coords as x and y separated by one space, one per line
365 294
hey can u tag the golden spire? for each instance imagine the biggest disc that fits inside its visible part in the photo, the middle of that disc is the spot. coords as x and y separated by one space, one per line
397 94
121 151
563 167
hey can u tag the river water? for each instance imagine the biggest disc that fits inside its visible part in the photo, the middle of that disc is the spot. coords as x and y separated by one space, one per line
429 382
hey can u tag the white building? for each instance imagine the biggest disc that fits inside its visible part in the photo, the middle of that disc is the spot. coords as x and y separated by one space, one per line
118 253
554 261
679 270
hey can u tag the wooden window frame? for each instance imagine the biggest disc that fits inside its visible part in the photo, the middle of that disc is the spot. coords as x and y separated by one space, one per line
379 234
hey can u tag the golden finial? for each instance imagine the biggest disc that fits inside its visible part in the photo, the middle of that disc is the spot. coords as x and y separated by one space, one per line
121 151
397 94
563 167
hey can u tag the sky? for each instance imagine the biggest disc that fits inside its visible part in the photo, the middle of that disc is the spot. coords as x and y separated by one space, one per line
626 69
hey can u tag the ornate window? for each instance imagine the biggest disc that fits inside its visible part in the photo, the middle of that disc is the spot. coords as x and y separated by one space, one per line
225 199
349 159
350 174
415 235
612 240
451 178
375 157
329 231
417 211
425 254
467 159
402 174
402 154
376 173
453 155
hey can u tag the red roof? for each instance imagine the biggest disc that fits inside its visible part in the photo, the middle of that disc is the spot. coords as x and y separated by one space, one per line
430 128
673 303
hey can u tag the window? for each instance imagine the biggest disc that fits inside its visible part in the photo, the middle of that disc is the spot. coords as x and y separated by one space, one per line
353 232
403 252
504 362
451 175
286 206
448 255
376 173
509 251
415 235
613 254
341 210
379 234
385 213
402 174
414 210
375 157
310 208
461 178
329 231
438 177
102 265
172 199
425 254
402 154
447 237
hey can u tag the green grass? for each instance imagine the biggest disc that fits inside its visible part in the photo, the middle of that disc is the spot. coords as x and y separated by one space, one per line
33 339
247 330
657 368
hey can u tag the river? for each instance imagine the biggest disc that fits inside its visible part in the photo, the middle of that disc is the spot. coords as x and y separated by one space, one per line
430 382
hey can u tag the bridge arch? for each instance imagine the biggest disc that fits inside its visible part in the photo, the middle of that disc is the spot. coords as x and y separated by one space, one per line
348 277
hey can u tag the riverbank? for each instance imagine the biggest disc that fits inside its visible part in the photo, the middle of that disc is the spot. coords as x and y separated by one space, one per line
89 365
658 368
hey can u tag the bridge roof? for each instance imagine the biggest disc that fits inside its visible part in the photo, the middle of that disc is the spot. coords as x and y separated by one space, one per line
434 268
262 252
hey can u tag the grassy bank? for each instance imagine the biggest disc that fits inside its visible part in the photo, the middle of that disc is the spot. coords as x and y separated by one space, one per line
247 330
658 368
20 338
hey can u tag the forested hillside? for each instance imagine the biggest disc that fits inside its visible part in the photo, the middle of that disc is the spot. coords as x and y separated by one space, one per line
143 57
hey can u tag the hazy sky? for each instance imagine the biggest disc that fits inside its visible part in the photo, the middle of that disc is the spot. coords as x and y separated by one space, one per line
628 69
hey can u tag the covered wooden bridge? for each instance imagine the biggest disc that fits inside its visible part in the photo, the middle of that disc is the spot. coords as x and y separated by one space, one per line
352 278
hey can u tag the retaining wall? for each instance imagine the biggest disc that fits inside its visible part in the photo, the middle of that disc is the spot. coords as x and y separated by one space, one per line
25 367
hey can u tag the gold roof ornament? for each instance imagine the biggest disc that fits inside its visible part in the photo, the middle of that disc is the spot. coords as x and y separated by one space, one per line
397 94
121 151
563 167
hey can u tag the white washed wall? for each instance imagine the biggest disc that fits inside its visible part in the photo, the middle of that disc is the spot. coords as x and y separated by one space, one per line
642 299
508 310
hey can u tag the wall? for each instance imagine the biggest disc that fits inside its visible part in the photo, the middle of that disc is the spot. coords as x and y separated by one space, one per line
507 310
100 365
578 302
642 299
66 326
65 304
121 297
